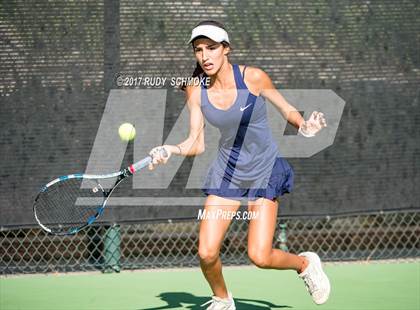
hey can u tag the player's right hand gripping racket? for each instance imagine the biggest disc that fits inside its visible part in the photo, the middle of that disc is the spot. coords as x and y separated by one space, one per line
69 203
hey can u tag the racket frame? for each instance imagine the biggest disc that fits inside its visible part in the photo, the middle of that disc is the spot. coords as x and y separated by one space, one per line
120 175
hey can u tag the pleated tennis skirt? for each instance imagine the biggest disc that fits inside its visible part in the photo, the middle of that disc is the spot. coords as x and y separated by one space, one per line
280 182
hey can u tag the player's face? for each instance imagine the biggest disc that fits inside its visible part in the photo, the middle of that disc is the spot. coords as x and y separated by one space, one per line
210 55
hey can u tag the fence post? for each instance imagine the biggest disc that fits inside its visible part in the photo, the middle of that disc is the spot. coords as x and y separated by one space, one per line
112 251
283 237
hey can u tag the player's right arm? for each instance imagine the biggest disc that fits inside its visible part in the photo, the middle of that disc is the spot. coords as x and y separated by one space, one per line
194 144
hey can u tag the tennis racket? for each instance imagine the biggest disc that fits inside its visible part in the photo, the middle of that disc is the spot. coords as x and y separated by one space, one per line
69 203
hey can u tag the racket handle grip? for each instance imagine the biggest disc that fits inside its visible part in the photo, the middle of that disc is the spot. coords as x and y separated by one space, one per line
144 162
140 164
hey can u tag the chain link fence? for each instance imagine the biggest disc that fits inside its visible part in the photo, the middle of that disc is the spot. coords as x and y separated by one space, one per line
174 244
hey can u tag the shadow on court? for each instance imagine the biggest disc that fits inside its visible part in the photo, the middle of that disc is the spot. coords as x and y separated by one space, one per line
178 300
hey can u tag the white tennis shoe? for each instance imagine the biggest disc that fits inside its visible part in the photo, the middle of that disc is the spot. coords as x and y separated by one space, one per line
217 303
316 281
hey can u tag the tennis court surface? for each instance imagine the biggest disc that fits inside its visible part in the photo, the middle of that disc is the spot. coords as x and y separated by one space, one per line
373 286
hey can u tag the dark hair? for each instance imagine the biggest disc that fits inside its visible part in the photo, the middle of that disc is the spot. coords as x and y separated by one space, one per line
198 70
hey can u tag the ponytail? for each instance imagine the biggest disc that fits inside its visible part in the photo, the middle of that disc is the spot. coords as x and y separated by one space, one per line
197 71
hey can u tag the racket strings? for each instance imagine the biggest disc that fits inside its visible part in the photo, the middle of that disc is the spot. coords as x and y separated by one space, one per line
67 205
58 207
76 211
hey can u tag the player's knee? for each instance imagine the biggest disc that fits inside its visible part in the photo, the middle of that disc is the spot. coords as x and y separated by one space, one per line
208 256
259 258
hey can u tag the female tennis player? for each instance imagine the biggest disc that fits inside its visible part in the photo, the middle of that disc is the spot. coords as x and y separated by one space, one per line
248 163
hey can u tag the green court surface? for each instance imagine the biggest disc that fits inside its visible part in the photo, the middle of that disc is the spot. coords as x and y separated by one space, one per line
376 286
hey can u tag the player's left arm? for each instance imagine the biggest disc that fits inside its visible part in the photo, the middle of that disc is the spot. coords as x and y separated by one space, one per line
262 85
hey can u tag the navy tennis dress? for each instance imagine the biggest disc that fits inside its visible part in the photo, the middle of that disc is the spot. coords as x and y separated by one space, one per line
248 163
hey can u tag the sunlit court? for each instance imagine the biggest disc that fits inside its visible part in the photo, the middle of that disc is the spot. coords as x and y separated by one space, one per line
181 289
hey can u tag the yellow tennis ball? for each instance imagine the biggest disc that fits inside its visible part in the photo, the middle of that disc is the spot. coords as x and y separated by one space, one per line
127 132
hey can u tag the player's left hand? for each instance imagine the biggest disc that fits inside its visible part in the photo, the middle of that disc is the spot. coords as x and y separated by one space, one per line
160 155
314 124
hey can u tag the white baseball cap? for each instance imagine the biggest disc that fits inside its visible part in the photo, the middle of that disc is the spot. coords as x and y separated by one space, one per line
212 32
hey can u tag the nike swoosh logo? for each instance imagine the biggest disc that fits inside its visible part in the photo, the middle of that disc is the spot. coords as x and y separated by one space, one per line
243 108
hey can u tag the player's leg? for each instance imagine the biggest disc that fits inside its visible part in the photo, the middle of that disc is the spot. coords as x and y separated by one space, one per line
261 253
260 239
211 235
